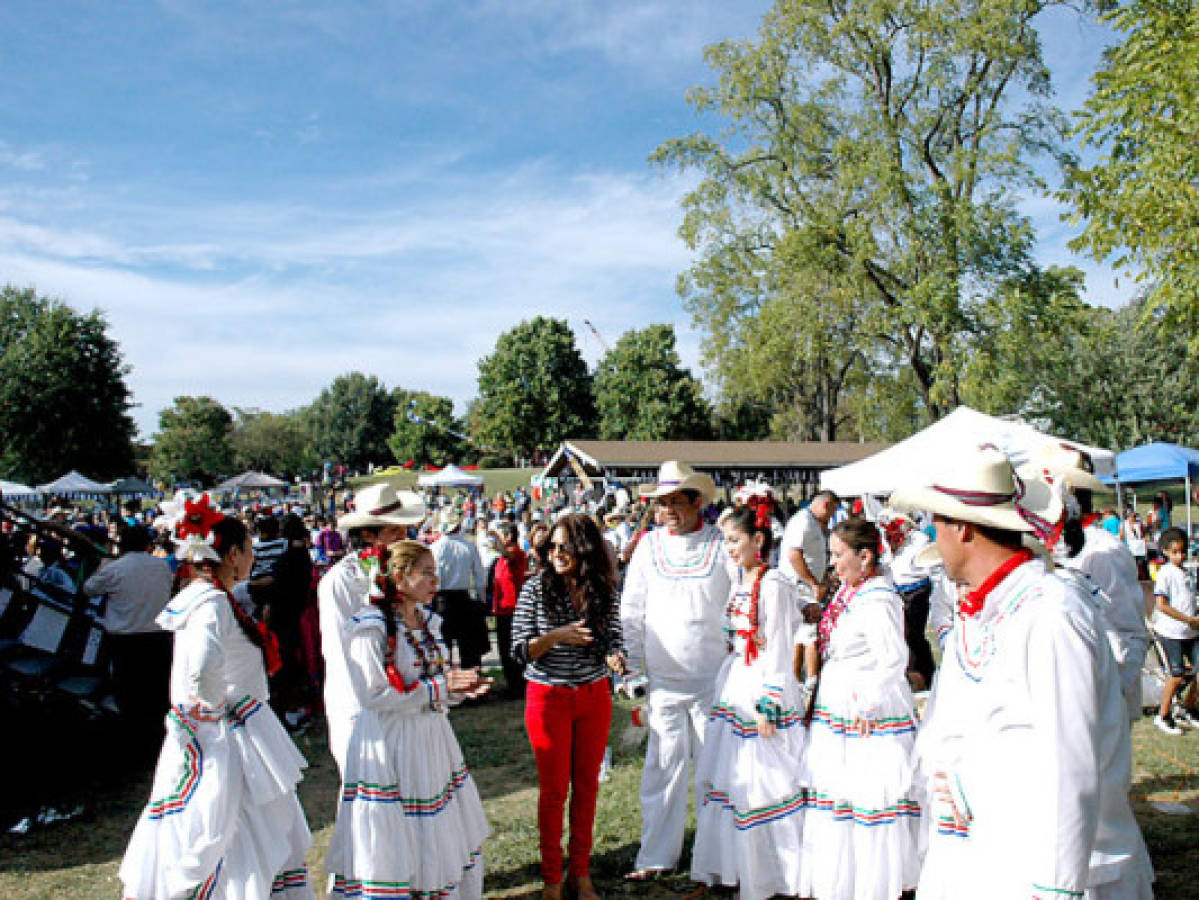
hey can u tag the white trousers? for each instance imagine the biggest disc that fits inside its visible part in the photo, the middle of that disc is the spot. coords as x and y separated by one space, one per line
676 735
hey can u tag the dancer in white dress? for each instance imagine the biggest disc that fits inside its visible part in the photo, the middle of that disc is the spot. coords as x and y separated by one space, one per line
223 819
749 828
410 822
862 831
382 516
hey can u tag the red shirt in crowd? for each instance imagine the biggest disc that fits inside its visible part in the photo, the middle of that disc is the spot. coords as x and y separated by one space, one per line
510 574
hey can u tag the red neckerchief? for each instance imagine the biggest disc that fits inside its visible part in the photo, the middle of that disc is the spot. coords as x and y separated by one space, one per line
973 602
753 640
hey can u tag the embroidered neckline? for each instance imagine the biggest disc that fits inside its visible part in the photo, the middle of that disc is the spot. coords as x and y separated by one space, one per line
696 562
973 602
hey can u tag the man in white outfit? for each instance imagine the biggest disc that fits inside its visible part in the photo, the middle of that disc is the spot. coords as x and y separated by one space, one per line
1026 739
381 517
672 613
1103 558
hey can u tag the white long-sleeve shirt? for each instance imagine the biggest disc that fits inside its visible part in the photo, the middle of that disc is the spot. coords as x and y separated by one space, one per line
459 567
1027 723
672 608
138 586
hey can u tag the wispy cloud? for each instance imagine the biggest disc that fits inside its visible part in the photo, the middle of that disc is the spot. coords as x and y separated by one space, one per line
291 296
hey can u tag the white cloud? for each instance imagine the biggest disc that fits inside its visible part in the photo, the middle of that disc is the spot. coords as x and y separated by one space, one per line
261 305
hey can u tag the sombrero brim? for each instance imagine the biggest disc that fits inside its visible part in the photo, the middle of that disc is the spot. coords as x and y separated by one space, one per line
1002 516
696 482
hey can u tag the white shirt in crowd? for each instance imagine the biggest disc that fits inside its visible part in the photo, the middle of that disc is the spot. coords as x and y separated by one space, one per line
804 532
1172 584
138 586
458 565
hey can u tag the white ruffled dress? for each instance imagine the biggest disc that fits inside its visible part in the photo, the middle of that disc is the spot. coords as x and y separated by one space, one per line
410 823
223 819
863 833
749 828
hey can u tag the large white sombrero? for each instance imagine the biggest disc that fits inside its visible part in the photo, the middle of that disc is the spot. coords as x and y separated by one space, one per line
678 476
984 489
380 505
1054 462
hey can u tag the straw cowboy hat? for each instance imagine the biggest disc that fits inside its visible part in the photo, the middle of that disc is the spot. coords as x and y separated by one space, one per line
678 476
985 490
380 505
1053 462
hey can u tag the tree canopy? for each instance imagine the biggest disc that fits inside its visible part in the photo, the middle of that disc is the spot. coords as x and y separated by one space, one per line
426 430
64 403
352 420
1140 199
534 389
870 166
194 442
272 442
643 393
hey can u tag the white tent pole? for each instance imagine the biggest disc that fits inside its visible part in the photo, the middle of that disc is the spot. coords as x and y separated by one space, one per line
1189 532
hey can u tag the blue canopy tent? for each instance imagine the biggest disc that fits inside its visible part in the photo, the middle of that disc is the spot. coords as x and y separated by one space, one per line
1158 462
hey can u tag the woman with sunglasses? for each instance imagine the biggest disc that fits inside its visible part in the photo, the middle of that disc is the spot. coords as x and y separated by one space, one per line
566 632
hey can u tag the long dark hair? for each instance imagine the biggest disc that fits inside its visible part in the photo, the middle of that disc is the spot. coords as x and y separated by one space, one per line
594 575
228 533
747 519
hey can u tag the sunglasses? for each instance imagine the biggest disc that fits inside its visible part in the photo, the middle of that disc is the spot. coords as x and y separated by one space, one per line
559 548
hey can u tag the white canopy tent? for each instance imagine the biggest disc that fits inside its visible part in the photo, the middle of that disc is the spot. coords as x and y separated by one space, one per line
919 459
450 477
12 490
73 484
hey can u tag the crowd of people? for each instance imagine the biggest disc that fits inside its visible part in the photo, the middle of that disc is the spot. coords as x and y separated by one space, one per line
782 657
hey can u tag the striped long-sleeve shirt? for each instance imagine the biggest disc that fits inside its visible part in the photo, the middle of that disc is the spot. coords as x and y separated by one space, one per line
538 613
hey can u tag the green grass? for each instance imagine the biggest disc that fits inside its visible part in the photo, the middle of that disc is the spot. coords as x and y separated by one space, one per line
494 480
78 860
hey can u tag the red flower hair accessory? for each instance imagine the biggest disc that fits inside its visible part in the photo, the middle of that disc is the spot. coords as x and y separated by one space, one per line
194 530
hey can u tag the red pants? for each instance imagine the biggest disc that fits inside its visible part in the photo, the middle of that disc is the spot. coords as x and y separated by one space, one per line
568 728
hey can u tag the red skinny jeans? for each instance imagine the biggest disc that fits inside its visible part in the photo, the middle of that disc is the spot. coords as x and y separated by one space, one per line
568 728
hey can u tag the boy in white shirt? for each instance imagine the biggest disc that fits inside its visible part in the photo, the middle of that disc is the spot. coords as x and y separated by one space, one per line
1174 622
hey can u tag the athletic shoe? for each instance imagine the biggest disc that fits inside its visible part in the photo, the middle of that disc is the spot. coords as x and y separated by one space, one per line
1166 724
1185 718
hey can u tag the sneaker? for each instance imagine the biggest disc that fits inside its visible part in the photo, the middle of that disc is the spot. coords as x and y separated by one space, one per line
1186 718
1166 724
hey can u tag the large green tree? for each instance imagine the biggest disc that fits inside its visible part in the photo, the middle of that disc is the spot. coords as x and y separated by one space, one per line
194 442
351 421
1140 198
874 152
277 443
534 389
64 403
426 430
643 393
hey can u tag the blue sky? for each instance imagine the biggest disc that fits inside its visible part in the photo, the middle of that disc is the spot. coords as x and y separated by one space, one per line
264 195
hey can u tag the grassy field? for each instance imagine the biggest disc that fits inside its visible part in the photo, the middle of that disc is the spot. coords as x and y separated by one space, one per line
78 860
494 480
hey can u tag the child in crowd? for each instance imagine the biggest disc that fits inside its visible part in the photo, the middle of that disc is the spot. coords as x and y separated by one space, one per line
1175 623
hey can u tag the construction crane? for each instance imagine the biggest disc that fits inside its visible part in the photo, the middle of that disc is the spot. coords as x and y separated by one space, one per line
598 336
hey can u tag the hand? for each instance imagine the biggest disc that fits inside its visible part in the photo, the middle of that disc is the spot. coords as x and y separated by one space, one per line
467 682
576 634
618 663
766 728
821 592
942 793
863 726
